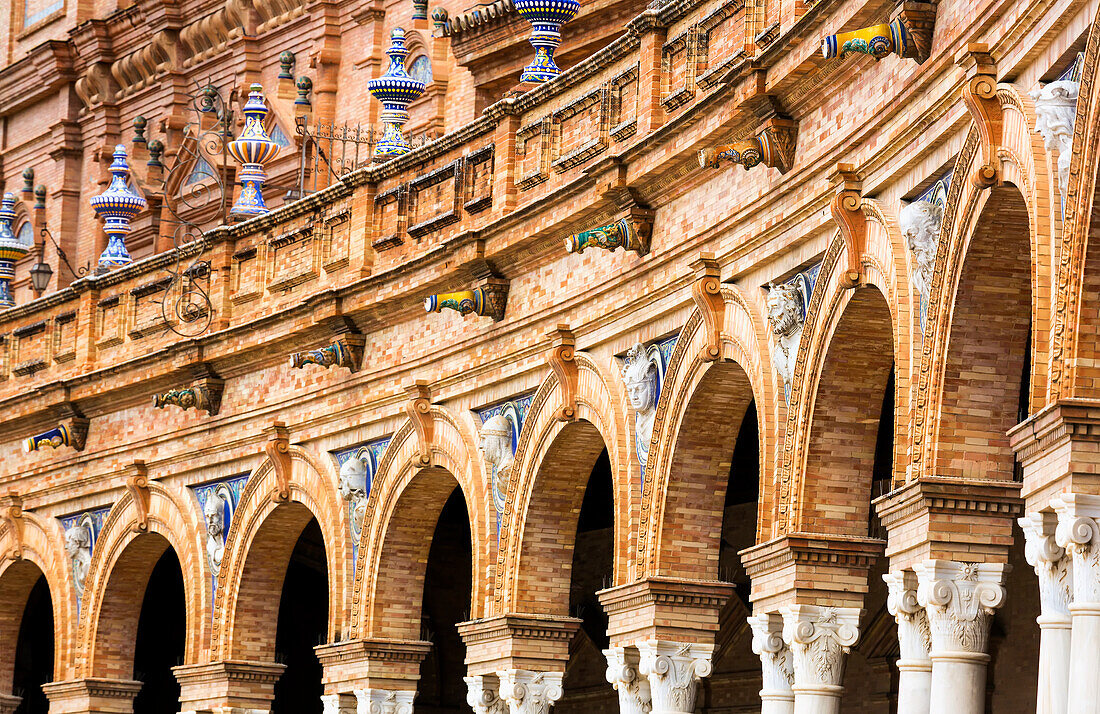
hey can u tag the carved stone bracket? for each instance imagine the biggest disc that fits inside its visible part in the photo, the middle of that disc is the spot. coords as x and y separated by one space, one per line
623 674
960 599
529 692
70 432
707 293
419 409
773 145
345 351
137 483
980 96
820 638
11 513
631 232
674 670
277 449
562 359
847 211
486 300
919 21
205 394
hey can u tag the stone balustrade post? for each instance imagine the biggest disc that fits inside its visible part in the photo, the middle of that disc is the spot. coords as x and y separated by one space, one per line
1053 567
777 669
1078 532
960 599
384 701
623 674
915 641
819 639
528 692
674 670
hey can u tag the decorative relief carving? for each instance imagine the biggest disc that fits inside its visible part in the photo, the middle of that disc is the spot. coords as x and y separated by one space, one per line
640 379
529 692
631 233
81 532
819 638
1053 566
980 96
345 351
483 694
960 599
11 513
205 395
777 666
914 633
920 224
419 409
623 675
277 449
847 212
384 701
357 466
674 670
137 483
497 446
489 299
706 291
772 146
71 432
1055 113
562 360
1078 532
786 316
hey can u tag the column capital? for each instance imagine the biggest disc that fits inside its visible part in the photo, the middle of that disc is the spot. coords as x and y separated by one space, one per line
623 675
960 598
483 694
9 703
1051 564
777 669
674 670
384 701
819 637
1078 531
338 704
914 634
528 692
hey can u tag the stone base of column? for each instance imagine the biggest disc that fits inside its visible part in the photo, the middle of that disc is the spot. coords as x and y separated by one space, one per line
92 695
234 684
9 703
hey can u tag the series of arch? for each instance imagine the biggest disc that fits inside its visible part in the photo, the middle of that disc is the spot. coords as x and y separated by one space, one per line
669 524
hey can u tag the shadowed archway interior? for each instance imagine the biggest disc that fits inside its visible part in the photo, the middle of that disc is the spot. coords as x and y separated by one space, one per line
33 650
160 643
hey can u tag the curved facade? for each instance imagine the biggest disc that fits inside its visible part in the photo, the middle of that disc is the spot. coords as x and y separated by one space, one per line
750 379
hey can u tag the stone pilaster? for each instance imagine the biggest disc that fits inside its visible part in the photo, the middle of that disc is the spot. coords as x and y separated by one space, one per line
384 701
483 694
776 666
819 639
234 684
674 670
960 599
85 696
1078 532
623 674
528 692
1053 567
915 641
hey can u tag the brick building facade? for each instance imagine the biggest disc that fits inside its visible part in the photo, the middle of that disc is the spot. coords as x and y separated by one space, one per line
815 433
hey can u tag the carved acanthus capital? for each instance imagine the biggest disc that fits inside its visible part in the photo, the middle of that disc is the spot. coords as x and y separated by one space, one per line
777 667
483 694
345 351
1052 565
528 692
384 701
623 675
1078 532
980 96
960 599
419 409
847 212
914 633
337 704
674 670
819 638
562 359
707 293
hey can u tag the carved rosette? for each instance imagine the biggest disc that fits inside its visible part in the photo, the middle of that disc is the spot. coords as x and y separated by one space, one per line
1053 566
483 695
776 666
528 692
384 701
345 351
819 638
960 599
1078 532
772 146
205 396
674 670
914 633
623 675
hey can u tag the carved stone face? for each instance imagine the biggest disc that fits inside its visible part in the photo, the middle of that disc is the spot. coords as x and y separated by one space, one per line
353 478
1055 110
641 393
640 380
496 442
920 224
77 540
212 514
784 308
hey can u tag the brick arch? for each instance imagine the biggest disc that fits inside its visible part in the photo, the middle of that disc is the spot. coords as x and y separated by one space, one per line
122 561
401 514
698 418
1075 346
554 460
258 545
41 552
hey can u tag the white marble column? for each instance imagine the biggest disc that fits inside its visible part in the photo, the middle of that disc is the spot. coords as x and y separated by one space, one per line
528 692
914 639
960 599
1054 569
819 639
777 673
384 701
623 675
483 694
338 704
674 670
1079 533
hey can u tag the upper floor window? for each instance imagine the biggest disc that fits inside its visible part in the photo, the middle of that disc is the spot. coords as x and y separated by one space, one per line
25 235
421 68
35 11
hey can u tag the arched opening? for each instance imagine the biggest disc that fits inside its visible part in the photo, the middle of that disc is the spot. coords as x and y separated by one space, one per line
26 619
302 625
160 641
446 602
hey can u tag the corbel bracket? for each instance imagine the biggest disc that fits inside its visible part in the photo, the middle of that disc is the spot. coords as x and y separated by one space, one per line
11 512
562 359
631 232
707 293
204 394
278 451
345 351
419 409
488 299
137 483
980 96
847 211
919 21
68 432
773 145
